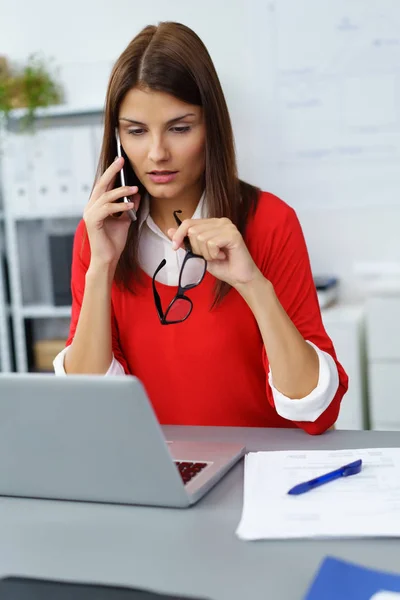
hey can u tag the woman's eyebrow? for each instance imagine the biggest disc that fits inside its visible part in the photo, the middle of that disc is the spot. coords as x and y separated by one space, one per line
175 120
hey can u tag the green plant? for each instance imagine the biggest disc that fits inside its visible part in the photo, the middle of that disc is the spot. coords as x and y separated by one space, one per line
29 87
5 84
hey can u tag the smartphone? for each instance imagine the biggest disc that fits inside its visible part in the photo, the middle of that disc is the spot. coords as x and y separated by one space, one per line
132 212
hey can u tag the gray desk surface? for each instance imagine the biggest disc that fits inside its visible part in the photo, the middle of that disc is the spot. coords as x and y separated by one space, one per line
189 551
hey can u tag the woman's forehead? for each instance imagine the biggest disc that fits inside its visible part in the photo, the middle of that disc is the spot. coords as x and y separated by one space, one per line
152 105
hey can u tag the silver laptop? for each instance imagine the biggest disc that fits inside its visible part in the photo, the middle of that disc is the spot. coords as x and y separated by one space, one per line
96 438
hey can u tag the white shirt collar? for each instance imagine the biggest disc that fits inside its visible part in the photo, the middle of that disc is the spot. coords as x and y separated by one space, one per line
199 213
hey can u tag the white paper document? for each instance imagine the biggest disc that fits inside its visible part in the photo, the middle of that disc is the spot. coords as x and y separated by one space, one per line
365 504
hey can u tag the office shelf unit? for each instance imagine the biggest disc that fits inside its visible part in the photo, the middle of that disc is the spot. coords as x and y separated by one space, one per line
345 324
26 244
5 342
383 343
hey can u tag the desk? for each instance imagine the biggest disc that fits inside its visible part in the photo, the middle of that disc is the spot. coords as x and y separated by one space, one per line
186 551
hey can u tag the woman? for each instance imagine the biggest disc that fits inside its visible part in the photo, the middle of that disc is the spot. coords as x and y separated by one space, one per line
240 342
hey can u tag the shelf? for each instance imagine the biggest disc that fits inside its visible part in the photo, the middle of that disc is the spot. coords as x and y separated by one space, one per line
60 110
6 310
33 216
45 311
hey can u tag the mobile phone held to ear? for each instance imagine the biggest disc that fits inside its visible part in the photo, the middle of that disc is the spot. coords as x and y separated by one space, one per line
132 212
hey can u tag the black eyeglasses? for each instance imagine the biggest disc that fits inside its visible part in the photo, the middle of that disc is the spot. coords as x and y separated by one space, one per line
192 274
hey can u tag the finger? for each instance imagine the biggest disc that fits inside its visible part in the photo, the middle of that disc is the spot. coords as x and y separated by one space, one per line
199 235
118 193
136 199
180 234
220 240
96 194
182 231
171 233
208 246
214 251
219 244
204 225
107 179
109 210
201 249
198 225
111 185
197 247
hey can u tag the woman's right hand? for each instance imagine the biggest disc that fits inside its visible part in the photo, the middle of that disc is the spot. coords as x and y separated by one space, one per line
107 233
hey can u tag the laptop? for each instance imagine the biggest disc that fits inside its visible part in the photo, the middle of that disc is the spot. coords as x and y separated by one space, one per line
95 438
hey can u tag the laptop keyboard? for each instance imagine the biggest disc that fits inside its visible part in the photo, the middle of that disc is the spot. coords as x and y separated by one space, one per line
188 470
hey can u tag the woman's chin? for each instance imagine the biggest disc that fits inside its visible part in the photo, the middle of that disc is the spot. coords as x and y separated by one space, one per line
163 190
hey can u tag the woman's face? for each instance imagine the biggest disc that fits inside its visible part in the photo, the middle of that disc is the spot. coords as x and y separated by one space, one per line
164 139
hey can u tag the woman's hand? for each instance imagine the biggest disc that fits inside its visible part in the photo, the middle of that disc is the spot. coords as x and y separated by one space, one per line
223 247
108 235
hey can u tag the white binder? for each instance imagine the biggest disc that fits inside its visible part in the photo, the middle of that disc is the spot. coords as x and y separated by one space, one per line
84 167
17 173
52 172
63 170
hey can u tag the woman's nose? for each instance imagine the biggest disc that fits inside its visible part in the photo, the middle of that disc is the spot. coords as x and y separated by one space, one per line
158 151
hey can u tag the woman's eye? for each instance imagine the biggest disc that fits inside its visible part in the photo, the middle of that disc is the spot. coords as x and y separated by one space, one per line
181 129
135 131
141 131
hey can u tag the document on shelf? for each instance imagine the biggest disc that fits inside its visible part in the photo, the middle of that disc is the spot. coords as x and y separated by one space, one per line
361 505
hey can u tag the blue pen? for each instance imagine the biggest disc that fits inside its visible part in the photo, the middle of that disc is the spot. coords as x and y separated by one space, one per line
350 469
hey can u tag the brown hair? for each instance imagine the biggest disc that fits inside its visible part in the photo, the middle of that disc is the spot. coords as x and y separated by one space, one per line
171 58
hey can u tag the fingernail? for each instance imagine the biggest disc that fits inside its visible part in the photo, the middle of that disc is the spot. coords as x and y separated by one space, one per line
116 158
134 188
174 245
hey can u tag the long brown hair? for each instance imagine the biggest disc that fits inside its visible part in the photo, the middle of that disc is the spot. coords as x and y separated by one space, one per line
171 58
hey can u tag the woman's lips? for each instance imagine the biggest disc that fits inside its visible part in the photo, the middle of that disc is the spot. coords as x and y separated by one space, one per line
163 177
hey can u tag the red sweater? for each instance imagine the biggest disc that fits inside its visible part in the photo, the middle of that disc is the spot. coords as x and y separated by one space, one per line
212 369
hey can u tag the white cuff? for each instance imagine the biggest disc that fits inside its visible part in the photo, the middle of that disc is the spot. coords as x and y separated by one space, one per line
312 406
58 363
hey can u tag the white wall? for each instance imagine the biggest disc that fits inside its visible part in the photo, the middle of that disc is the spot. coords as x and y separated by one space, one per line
338 238
85 37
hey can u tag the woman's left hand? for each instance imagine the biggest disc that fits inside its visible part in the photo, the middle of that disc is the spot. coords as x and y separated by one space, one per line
223 247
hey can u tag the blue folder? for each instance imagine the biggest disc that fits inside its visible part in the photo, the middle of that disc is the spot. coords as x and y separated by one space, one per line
339 580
